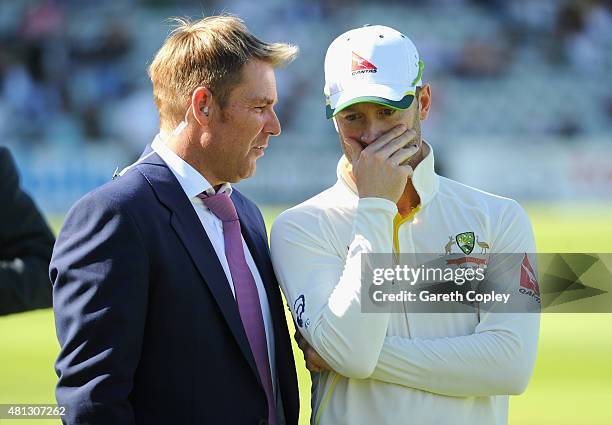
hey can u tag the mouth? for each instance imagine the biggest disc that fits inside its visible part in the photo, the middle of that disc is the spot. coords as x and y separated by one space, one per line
260 150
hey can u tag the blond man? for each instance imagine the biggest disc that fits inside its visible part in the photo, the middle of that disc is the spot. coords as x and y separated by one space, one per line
166 305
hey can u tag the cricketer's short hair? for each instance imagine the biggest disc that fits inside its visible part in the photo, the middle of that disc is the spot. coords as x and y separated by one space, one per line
210 52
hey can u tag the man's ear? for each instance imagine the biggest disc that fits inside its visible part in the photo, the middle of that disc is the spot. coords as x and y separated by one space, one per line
201 103
424 101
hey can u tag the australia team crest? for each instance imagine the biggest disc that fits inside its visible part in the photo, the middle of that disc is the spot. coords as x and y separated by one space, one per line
465 242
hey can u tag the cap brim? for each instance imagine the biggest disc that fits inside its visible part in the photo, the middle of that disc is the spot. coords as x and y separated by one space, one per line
403 103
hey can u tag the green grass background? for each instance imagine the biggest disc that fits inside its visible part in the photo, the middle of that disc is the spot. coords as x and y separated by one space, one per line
571 384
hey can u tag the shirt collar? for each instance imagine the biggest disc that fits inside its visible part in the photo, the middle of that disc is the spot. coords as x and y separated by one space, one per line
424 178
192 182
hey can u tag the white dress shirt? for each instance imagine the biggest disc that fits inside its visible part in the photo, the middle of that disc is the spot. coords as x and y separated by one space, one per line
193 183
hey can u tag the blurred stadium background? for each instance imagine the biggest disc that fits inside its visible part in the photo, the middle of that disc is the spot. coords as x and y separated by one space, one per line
522 106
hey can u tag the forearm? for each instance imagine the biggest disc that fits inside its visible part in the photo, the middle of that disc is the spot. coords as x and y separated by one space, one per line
492 362
347 338
332 320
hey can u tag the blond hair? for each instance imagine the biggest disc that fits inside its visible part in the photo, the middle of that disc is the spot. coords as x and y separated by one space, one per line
208 52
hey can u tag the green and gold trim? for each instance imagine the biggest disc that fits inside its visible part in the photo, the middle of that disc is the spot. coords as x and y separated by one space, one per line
403 103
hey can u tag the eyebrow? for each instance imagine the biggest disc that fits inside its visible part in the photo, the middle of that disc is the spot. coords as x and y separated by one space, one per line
266 100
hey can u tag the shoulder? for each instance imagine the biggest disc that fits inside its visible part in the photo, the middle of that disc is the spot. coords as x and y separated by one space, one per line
316 213
468 197
509 225
108 219
128 193
308 210
124 190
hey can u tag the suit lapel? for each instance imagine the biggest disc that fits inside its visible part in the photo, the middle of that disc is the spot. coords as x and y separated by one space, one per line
188 227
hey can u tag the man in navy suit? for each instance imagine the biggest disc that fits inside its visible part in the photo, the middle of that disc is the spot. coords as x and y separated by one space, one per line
166 305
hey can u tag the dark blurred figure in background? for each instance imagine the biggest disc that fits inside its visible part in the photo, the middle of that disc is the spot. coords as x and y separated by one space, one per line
26 243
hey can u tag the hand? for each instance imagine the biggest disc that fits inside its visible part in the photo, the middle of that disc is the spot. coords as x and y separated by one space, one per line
314 362
381 169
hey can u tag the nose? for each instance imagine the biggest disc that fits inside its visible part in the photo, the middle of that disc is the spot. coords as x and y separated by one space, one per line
370 133
366 138
273 126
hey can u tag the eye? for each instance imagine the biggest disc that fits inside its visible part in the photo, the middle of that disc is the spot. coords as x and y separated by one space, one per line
350 117
387 112
260 108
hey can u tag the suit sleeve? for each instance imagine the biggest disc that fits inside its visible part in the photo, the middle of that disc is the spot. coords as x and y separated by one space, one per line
26 243
498 358
99 272
323 287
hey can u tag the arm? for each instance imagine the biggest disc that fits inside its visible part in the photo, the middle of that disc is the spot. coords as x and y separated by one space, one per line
323 285
498 358
26 243
324 289
100 280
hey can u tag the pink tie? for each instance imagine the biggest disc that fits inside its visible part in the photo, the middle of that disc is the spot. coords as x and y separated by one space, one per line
247 296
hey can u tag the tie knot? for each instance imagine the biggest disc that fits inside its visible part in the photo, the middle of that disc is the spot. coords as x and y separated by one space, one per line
221 205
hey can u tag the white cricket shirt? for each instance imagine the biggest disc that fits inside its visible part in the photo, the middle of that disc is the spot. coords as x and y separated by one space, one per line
404 368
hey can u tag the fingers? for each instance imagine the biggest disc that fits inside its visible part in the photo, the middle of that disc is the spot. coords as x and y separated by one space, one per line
402 155
407 170
387 144
395 144
354 149
313 368
314 362
387 137
301 342
382 170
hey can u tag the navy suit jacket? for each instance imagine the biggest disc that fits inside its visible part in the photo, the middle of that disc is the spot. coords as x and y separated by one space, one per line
149 329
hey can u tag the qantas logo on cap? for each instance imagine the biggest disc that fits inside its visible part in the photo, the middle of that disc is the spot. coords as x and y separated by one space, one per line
361 65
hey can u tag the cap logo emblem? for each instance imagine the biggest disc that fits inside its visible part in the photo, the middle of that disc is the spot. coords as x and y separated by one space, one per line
361 65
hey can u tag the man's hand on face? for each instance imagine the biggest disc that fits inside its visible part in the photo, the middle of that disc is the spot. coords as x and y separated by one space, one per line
379 168
314 362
